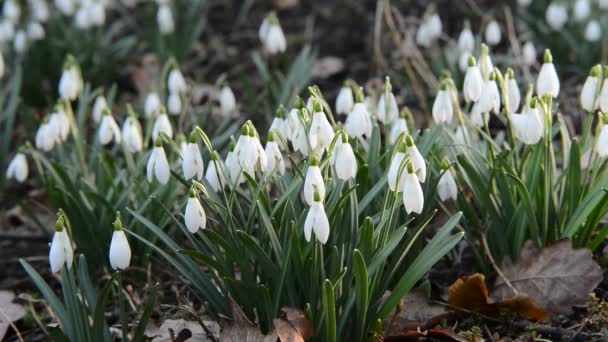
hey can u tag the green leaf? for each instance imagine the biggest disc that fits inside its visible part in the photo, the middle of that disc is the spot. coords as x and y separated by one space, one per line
329 310
361 293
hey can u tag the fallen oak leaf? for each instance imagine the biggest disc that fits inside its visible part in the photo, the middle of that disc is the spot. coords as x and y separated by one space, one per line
558 277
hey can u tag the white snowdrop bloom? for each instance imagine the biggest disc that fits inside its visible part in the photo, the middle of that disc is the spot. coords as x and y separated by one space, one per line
528 53
524 3
593 31
194 216
17 168
262 160
345 100
280 124
274 158
485 62
466 40
344 160
398 127
82 19
45 137
316 221
7 30
423 36
66 7
463 61
61 252
164 19
392 176
473 82
528 126
246 152
233 168
434 25
152 105
490 97
131 135
20 42
602 142
513 93
547 82
70 83
493 34
271 35
589 89
98 107
416 158
309 104
162 124
359 122
582 10
176 82
108 129
174 104
413 198
35 31
227 101
192 161
442 107
214 173
11 10
446 188
477 118
60 123
603 100
158 165
120 251
97 13
556 15
387 109
603 4
313 181
298 134
40 10
321 132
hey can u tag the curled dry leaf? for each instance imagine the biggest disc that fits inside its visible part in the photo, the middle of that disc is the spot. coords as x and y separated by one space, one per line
181 327
298 320
415 310
557 277
471 293
9 312
240 329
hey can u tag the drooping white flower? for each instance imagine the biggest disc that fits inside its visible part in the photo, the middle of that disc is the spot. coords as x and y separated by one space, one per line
485 62
66 7
477 118
398 127
524 3
35 31
233 167
120 251
60 124
416 158
513 93
174 104
490 97
98 107
152 105
344 160
602 141
394 181
466 40
423 37
82 19
316 220
194 216
345 100
473 82
313 181
528 53
176 82
359 122
40 10
413 198
162 124
443 109
528 126
321 132
547 82
45 137
434 25
70 83
17 168
164 19
214 172
271 35
245 152
158 165
298 136
131 135
280 125
108 129
593 31
603 100
582 10
11 10
274 158
589 90
446 188
61 252
97 13
192 161
387 105
556 15
493 34
20 42
227 101
463 61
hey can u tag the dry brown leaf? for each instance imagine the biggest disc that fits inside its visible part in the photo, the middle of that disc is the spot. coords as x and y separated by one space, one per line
298 320
9 312
240 329
178 326
415 310
471 293
286 331
558 277
284 4
328 66
416 334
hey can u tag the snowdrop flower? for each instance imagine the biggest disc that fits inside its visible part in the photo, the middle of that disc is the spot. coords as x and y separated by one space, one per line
556 15
416 158
524 3
35 31
321 132
528 53
344 160
493 34
82 19
589 89
316 220
7 30
359 122
477 117
547 82
434 25
120 252
446 188
582 9
98 107
271 35
131 135
413 198
176 82
314 181
152 105
274 158
11 10
463 61
61 124
162 124
603 99
66 7
233 167
174 104
528 126
158 166
194 217
97 13
70 83
472 82
192 161
423 37
280 124
513 93
45 137
61 252
345 100
17 168
387 105
299 138
442 107
108 129
20 42
164 19
593 31
395 183
602 139
214 173
227 101
399 126
40 10
490 97
245 152
466 40
485 62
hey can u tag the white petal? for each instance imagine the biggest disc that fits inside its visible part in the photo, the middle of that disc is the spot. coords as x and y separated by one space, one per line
57 253
313 178
413 198
161 166
393 172
194 217
321 223
120 252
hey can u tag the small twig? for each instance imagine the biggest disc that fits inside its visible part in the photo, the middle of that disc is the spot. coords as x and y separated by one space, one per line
496 268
